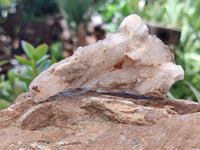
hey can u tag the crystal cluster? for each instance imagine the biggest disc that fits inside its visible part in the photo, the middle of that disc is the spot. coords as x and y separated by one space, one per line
129 60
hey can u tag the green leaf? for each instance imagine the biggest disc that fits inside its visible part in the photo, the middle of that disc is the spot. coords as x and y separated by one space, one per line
40 51
3 84
43 66
11 76
28 73
28 49
44 58
53 60
23 60
4 104
20 87
194 56
23 78
2 78
194 90
3 62
170 95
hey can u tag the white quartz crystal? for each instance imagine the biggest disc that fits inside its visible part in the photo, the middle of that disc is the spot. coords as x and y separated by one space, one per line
129 60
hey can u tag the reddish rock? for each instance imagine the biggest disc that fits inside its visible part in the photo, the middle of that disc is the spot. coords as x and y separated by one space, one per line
90 120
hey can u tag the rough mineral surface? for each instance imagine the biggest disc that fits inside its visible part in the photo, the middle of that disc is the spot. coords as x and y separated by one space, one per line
129 60
83 120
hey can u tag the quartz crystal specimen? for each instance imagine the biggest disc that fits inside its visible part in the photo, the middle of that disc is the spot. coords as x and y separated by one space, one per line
129 60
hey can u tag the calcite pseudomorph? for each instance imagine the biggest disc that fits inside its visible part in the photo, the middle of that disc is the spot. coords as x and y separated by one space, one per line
129 60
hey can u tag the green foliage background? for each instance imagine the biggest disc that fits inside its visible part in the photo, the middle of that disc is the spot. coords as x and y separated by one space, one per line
19 79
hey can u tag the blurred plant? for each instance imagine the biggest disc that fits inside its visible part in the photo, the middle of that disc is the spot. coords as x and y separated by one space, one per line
38 8
3 84
77 13
174 9
188 51
113 12
12 87
6 3
194 90
3 62
19 78
6 6
3 88
4 104
36 62
56 51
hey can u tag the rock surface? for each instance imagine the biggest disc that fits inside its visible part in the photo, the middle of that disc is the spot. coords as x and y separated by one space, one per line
89 120
129 60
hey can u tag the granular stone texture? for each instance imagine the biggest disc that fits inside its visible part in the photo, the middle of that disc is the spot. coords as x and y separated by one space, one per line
89 120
